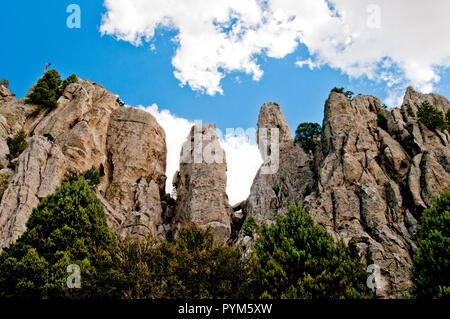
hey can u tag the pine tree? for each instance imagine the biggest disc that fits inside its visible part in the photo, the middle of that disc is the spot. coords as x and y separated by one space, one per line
294 258
46 92
431 260
190 268
67 228
431 116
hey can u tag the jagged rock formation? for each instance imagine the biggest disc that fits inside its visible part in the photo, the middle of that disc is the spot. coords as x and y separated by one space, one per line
361 183
201 183
135 170
90 129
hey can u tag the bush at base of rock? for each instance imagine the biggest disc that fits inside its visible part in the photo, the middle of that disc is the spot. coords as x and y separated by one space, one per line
431 260
191 268
67 228
294 258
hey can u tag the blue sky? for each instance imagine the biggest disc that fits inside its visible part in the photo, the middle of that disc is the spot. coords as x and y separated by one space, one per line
36 32
370 50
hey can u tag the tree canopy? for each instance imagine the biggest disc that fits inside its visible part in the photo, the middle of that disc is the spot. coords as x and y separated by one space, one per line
431 260
294 258
67 228
305 134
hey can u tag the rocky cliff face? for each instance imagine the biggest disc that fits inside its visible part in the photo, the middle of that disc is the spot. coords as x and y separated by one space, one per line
201 183
362 182
89 129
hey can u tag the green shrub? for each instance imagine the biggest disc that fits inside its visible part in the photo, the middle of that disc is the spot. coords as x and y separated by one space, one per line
431 260
294 258
48 89
191 268
410 111
305 134
68 227
382 121
249 227
71 79
447 117
17 144
431 117
4 82
91 176
348 94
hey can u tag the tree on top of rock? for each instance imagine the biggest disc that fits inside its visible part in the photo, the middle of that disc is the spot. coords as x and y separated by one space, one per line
48 89
431 116
305 134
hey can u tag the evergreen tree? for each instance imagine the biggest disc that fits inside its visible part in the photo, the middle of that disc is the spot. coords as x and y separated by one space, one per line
191 268
431 116
17 144
67 228
294 258
305 134
46 92
71 79
431 260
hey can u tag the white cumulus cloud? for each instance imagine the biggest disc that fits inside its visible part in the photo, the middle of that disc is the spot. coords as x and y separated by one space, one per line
242 154
399 42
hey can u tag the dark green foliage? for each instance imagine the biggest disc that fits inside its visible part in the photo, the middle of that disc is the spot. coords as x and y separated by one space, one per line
294 258
191 268
71 79
4 82
410 111
384 106
382 121
305 134
431 260
431 117
348 94
49 137
66 228
447 118
17 144
48 89
250 227
91 176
